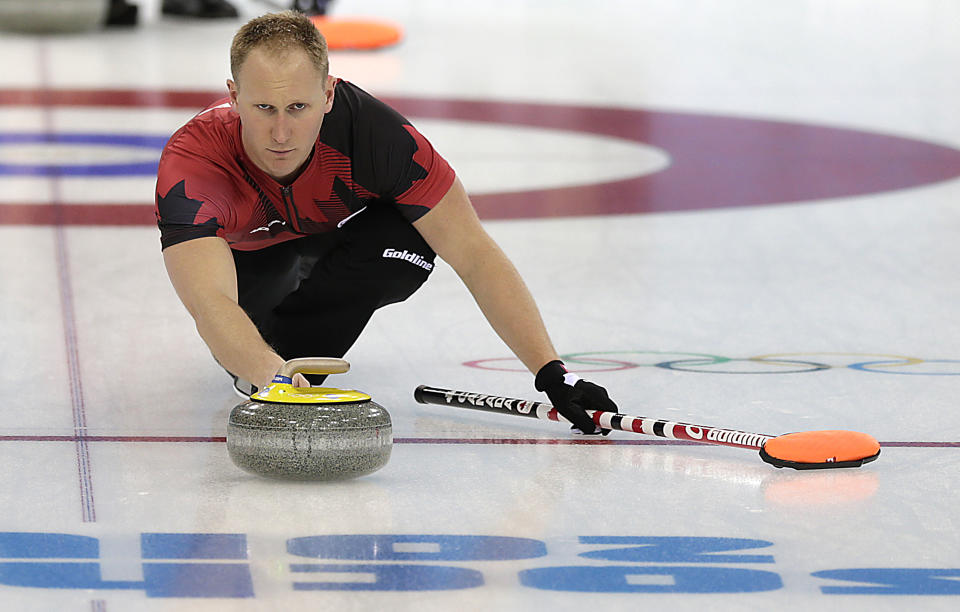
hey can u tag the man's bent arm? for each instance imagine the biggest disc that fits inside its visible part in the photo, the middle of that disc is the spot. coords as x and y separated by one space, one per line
203 274
454 232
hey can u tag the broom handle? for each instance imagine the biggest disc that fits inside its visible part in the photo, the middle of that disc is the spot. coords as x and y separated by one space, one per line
608 420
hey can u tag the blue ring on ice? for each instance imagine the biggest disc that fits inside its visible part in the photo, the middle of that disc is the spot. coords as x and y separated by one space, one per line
866 367
142 168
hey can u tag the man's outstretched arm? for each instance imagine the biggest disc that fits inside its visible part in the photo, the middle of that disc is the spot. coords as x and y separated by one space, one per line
205 278
454 232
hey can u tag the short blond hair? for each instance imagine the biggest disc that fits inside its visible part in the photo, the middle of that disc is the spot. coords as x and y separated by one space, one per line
279 33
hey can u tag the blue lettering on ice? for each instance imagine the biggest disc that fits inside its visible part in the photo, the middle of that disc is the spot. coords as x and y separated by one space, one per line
392 577
388 547
17 545
668 549
160 579
193 545
215 565
634 579
893 581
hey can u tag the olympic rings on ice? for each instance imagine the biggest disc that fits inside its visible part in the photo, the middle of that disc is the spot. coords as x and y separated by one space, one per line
704 363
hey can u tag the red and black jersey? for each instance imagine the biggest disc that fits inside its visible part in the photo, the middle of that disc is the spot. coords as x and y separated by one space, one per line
208 186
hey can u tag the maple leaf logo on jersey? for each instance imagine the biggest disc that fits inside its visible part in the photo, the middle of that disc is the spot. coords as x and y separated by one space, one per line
178 209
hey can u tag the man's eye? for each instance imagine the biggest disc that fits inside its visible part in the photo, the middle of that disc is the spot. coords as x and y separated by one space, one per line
298 106
264 106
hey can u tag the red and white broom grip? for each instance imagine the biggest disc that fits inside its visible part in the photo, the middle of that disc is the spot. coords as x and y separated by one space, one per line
608 420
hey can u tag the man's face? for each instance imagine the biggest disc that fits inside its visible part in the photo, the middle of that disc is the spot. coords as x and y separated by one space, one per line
281 100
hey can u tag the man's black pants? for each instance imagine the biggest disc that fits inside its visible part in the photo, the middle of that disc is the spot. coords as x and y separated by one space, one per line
312 296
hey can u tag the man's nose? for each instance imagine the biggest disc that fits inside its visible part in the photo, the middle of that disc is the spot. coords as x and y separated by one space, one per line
281 130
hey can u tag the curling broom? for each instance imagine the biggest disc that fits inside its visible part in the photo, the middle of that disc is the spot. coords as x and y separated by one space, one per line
804 450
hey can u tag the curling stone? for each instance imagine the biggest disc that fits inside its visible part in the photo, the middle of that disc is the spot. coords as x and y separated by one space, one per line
309 433
52 16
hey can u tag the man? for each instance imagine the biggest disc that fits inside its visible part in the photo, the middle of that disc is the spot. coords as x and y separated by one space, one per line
292 210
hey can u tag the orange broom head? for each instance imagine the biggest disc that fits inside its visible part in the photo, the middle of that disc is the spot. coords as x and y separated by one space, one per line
821 449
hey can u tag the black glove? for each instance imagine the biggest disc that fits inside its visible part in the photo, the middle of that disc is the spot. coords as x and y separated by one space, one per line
571 396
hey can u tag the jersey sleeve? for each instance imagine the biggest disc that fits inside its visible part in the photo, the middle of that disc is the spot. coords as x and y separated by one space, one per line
427 191
392 158
190 197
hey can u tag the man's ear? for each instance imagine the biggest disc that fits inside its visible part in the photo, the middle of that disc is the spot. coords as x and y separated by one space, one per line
329 93
232 88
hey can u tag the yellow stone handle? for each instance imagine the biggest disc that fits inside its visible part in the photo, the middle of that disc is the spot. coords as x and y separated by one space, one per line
282 391
313 365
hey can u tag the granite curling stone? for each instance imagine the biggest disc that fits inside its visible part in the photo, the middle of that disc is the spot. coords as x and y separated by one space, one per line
309 433
53 16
